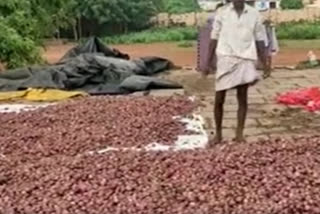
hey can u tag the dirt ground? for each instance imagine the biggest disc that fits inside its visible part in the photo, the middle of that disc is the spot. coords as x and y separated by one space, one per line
180 56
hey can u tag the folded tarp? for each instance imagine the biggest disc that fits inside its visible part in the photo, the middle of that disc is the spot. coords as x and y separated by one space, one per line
94 45
40 95
93 68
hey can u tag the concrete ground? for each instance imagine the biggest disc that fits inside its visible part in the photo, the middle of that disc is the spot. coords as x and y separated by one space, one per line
265 117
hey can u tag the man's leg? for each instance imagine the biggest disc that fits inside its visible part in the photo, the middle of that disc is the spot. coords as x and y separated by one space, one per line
242 96
270 62
218 114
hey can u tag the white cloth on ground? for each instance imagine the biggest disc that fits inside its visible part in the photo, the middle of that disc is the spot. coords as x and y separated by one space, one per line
235 71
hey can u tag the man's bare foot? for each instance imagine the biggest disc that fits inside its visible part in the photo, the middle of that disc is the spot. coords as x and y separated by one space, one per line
216 140
240 139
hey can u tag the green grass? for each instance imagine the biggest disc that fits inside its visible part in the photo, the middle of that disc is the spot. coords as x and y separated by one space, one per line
176 34
299 30
186 44
307 34
300 44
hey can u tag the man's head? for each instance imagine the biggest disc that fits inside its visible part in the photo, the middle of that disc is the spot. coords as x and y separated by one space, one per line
238 3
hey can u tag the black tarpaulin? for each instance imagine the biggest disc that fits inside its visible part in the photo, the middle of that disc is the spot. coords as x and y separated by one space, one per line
94 45
93 68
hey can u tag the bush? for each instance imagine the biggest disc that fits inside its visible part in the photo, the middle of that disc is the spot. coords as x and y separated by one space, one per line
291 4
16 50
180 6
155 35
299 30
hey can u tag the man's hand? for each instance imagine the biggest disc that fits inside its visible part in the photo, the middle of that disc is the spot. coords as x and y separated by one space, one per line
206 71
204 75
262 53
211 60
266 73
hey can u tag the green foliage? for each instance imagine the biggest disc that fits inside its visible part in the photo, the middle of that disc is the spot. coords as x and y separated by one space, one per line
10 6
299 30
15 49
54 14
155 35
24 23
180 6
134 13
291 4
17 14
36 18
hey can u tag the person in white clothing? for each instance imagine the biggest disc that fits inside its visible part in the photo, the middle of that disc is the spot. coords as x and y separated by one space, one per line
238 40
272 42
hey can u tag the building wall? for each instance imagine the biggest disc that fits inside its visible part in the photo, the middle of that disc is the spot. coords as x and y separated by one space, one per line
277 16
266 5
210 4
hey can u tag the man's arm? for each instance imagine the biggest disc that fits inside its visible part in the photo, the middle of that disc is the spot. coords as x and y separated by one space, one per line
211 55
260 37
215 33
263 57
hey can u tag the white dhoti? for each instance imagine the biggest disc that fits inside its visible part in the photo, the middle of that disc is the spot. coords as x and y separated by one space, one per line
234 71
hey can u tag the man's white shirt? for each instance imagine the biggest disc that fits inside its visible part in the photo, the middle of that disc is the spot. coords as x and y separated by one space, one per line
237 35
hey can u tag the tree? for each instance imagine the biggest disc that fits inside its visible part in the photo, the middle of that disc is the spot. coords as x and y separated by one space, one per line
37 18
122 13
16 50
26 22
180 6
23 23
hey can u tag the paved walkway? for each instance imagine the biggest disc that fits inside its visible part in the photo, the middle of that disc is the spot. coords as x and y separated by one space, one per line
265 117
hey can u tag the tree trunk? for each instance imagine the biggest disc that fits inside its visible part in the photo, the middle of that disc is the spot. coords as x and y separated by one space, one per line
80 27
75 33
58 34
158 22
125 28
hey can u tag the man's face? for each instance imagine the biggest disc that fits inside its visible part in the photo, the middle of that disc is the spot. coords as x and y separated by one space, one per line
238 3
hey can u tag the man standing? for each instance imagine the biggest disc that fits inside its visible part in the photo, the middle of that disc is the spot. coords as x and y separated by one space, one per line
238 38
